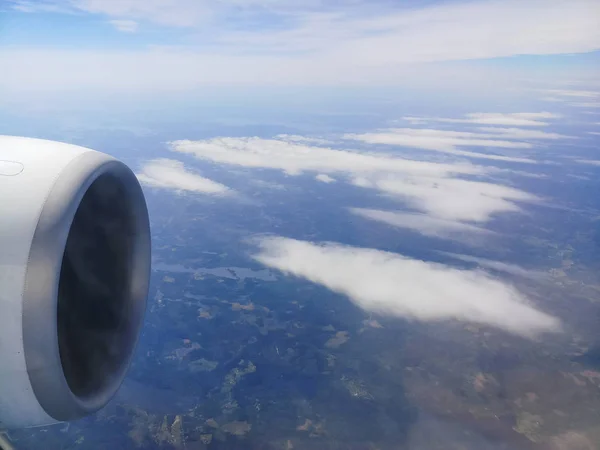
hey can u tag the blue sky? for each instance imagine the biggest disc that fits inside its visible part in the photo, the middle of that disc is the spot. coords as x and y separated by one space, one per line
156 45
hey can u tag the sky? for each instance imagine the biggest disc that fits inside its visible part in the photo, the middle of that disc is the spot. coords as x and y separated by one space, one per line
443 171
174 45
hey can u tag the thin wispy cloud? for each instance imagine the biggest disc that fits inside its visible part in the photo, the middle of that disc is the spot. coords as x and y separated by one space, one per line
574 93
35 6
590 162
576 98
499 266
126 26
585 104
425 225
303 139
520 133
325 178
522 119
172 175
393 284
443 141
311 42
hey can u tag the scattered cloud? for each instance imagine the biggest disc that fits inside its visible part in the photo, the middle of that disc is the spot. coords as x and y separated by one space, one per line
594 133
523 119
424 224
426 186
393 284
126 26
171 174
443 141
325 178
297 158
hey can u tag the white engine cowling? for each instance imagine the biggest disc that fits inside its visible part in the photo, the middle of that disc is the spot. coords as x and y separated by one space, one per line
74 274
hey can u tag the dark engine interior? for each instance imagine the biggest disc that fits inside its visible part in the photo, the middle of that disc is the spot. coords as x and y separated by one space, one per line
95 333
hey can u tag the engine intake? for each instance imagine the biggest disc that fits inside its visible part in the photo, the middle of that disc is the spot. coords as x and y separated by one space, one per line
75 275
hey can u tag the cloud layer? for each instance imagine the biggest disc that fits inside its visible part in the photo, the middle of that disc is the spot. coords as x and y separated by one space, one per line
392 284
426 186
296 158
521 119
454 199
424 224
171 174
443 141
311 42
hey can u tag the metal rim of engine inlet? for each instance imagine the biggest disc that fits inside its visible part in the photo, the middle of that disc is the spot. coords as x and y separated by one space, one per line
55 393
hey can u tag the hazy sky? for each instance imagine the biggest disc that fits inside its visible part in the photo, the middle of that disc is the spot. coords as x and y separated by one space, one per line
165 45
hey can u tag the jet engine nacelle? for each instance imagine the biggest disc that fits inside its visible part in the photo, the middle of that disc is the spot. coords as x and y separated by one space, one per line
74 273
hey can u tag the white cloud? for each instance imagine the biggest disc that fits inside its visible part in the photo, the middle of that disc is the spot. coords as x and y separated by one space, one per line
594 133
426 186
523 119
171 174
520 133
325 178
590 162
442 141
424 224
362 182
296 158
455 199
126 26
393 284
309 42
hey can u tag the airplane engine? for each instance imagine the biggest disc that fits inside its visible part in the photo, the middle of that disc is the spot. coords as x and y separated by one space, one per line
74 274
